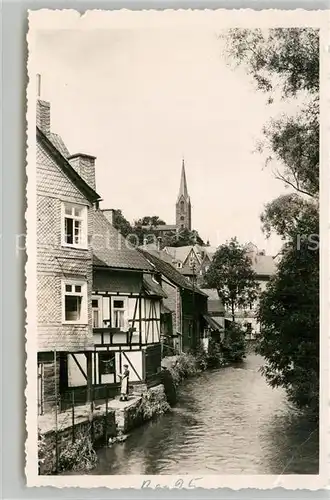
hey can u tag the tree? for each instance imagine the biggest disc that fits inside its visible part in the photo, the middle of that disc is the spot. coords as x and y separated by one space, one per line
150 220
231 274
185 237
122 224
289 318
285 63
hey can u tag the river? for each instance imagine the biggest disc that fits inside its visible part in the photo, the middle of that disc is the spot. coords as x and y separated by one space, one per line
227 421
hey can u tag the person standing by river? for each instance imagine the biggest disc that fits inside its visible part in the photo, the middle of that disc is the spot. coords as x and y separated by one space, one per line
124 384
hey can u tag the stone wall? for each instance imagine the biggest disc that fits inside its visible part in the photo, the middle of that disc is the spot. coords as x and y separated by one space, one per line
146 407
103 426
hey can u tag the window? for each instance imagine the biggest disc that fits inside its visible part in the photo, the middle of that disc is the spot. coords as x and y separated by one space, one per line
248 327
97 312
74 302
182 205
182 217
118 314
74 225
107 367
179 265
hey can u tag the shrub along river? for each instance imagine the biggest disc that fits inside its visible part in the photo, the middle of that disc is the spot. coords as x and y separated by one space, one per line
227 421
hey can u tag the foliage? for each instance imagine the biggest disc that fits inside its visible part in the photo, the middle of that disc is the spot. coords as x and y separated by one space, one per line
215 355
283 58
285 213
79 455
234 345
46 455
121 223
286 62
150 220
184 367
149 407
231 274
184 237
289 316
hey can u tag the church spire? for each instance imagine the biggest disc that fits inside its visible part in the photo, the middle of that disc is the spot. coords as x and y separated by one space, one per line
183 184
183 205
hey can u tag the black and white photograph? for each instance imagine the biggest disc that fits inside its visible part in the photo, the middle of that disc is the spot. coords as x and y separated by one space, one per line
176 332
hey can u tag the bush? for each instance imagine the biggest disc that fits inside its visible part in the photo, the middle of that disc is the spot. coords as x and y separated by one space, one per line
46 455
185 366
215 357
201 358
79 455
149 408
234 343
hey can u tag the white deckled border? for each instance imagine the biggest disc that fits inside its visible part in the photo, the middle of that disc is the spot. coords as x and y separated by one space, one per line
218 20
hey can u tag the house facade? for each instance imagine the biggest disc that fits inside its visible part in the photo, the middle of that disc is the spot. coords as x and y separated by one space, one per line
126 313
184 257
98 303
65 204
185 306
265 267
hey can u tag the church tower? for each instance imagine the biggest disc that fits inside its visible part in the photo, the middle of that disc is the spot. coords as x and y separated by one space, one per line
183 205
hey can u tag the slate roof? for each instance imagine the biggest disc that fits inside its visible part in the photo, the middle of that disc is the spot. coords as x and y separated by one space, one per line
213 323
66 168
110 248
153 288
169 271
59 144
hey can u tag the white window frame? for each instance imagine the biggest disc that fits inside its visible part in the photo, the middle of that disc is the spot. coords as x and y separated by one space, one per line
100 309
125 309
83 243
83 320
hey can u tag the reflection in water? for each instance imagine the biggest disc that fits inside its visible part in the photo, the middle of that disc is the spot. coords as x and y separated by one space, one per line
228 421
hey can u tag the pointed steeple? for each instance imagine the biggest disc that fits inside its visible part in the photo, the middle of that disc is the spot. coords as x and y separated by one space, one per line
183 184
183 205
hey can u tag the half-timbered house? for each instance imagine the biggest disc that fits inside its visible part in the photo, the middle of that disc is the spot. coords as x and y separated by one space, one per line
183 322
64 207
126 308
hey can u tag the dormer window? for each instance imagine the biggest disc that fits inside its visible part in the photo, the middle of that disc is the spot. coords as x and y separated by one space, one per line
74 225
179 265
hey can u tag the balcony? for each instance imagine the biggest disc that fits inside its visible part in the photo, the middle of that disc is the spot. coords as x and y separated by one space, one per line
107 336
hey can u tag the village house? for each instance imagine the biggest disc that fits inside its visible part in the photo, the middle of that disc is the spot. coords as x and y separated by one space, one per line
192 261
184 309
65 203
98 303
265 267
126 311
215 315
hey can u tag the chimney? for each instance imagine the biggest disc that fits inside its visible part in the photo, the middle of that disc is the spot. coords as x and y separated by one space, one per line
84 165
109 214
43 110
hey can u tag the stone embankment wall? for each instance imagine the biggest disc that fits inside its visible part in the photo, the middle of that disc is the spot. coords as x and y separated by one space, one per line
56 444
120 417
151 404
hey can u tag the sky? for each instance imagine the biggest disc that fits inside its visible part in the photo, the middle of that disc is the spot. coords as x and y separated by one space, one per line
142 99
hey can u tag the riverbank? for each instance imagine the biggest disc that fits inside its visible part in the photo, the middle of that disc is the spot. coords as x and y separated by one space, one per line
111 423
232 417
68 443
